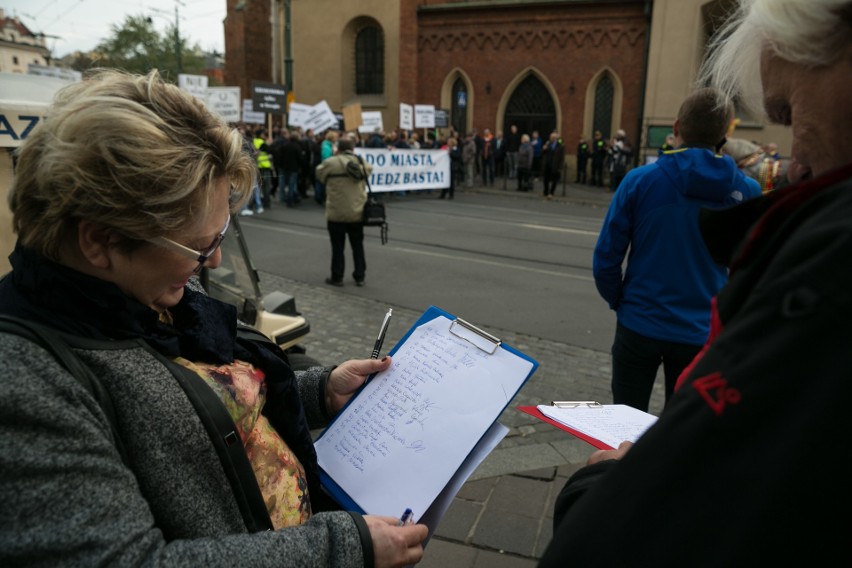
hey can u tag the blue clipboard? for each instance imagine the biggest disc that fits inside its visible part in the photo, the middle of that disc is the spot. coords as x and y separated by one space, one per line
478 338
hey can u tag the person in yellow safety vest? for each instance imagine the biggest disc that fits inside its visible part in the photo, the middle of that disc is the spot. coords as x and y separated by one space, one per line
264 164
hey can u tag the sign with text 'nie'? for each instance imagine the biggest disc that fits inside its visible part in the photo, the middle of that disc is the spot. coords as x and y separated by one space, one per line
196 85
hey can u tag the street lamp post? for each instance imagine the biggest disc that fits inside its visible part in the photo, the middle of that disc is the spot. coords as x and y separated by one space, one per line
177 42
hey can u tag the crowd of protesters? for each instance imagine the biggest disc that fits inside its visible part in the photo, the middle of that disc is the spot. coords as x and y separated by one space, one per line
287 159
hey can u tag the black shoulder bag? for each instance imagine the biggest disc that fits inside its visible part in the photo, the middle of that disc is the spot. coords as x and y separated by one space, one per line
374 210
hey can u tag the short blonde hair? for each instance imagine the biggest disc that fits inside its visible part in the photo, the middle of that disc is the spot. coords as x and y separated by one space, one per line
127 151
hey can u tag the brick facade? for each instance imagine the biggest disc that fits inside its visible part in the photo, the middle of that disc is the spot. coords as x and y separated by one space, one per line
248 44
565 44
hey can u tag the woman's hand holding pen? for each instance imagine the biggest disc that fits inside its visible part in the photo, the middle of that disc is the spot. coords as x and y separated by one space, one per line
347 378
394 545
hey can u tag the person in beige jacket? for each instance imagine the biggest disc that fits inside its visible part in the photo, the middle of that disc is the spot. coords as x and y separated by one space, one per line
343 176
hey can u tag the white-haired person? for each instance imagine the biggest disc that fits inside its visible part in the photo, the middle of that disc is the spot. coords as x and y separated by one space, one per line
118 201
745 465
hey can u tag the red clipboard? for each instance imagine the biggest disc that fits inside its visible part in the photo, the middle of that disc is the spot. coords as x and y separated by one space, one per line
534 411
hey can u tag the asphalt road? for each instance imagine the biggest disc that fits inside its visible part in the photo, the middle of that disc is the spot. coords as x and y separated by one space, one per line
498 260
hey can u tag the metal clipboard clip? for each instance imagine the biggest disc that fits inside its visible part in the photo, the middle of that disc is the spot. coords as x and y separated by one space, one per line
576 403
472 334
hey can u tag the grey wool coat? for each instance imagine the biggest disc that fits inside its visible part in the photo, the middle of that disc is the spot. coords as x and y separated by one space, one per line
68 499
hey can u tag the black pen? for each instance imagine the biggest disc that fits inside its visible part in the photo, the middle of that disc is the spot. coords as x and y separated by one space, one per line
381 338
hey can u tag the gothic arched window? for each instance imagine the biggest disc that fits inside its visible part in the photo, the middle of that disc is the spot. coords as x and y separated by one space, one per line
531 108
369 61
459 107
604 94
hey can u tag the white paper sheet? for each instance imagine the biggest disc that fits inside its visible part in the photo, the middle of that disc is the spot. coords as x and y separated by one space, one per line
609 423
405 436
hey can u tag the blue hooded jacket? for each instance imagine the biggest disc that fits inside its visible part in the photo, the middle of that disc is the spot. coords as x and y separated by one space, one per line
670 279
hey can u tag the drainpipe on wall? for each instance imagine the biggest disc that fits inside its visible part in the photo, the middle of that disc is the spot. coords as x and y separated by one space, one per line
276 65
275 15
288 52
649 10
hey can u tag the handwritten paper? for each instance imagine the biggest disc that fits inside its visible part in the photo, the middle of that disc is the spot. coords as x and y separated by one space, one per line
400 441
609 423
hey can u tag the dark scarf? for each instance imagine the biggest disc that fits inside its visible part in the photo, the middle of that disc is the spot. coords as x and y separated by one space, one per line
203 330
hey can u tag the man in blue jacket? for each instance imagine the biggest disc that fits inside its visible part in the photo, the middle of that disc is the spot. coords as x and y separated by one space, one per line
662 299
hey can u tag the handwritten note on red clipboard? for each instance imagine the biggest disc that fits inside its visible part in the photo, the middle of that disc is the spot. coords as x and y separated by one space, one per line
604 426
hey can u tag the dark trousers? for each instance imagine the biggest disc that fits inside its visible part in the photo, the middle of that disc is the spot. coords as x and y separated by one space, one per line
338 232
551 180
597 172
449 190
581 170
635 361
524 179
265 186
488 171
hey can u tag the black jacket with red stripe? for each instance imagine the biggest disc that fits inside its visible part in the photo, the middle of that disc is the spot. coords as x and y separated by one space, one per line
746 466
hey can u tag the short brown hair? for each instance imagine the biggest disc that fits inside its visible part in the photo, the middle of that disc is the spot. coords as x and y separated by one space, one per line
704 117
130 152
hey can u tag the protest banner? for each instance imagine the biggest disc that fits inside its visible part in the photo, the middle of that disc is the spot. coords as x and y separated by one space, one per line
250 116
317 117
371 121
406 116
225 101
269 98
298 115
352 116
400 169
196 85
424 116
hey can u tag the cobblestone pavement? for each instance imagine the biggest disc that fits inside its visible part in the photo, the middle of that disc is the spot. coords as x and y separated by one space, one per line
502 517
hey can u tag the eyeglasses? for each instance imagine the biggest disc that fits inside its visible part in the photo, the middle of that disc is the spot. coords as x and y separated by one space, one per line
200 256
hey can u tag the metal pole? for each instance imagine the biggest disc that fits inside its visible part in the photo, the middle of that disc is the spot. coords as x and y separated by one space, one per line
178 54
288 54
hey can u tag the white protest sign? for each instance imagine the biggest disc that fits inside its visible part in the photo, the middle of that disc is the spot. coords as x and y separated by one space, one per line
297 114
321 118
250 116
424 116
371 121
193 84
24 102
400 169
406 116
225 101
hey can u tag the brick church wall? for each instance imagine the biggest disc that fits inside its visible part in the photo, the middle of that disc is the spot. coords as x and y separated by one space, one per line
567 42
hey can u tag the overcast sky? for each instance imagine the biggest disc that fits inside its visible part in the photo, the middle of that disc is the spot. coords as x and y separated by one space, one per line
81 24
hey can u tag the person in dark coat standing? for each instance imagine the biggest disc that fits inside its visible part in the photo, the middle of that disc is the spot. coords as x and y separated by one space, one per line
513 146
552 160
287 157
599 154
582 160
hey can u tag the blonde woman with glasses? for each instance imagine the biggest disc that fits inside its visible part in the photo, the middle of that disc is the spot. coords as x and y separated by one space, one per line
120 198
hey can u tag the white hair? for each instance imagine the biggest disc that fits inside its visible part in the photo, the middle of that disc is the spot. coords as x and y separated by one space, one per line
811 33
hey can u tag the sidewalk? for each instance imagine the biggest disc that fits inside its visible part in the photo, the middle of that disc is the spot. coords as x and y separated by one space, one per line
502 517
573 193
